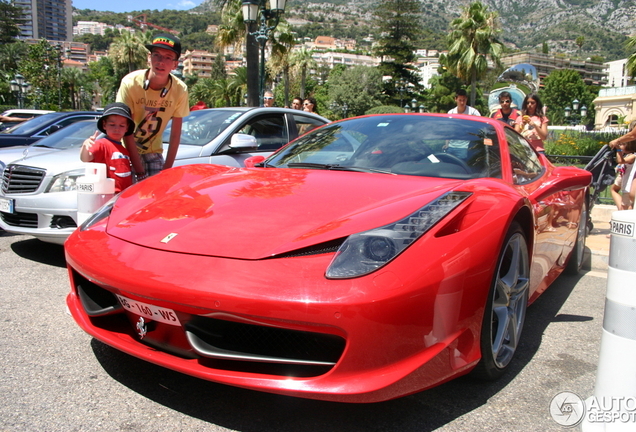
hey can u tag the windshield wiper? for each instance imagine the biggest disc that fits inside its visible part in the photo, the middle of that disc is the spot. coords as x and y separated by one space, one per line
336 167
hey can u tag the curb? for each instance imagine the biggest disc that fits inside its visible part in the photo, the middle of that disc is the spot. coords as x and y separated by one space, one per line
597 249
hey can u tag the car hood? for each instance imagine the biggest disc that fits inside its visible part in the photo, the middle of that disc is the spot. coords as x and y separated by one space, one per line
254 213
17 153
54 161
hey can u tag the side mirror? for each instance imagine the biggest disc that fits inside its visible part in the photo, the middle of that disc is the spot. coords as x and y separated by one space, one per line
251 162
563 178
53 128
243 142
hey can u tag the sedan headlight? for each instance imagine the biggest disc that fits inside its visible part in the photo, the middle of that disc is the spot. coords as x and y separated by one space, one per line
65 182
365 252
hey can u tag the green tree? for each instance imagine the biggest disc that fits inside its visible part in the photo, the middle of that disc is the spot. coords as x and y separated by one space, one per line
10 54
631 60
218 68
579 42
301 61
10 17
560 89
102 73
96 42
282 42
441 96
204 90
128 51
358 88
40 68
398 23
233 31
472 42
73 80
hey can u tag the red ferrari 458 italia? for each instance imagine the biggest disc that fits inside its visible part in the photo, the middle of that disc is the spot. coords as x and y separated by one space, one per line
369 259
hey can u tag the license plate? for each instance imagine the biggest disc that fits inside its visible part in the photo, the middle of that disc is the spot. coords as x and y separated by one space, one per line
155 313
6 205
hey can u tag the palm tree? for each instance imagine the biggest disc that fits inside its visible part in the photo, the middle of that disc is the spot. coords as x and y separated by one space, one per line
73 78
472 42
232 32
128 51
238 82
302 60
631 60
282 43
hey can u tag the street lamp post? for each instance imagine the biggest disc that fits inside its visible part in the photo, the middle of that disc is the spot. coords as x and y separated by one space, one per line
20 88
251 10
574 115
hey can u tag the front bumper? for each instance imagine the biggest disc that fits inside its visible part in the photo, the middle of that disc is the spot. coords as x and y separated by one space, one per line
400 334
50 217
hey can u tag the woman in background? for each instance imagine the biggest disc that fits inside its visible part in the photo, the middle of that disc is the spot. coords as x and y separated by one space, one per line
533 123
309 105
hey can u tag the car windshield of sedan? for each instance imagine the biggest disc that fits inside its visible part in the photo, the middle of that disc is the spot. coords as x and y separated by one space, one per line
201 127
72 135
430 146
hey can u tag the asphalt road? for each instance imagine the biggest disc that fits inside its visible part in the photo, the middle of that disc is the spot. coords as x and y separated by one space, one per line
54 377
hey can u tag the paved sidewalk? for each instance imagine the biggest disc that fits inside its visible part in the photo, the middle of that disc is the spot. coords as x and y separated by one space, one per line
597 242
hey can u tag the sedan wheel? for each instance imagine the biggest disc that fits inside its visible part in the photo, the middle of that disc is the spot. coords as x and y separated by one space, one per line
505 310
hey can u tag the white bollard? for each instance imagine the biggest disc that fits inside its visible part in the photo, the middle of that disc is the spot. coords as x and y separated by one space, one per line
613 406
93 190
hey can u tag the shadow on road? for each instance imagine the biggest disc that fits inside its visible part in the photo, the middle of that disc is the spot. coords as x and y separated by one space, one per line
41 252
246 410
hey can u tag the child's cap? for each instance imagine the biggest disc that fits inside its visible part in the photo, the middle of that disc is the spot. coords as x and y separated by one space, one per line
120 109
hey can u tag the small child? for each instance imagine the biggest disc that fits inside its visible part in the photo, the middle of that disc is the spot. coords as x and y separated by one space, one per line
116 122
625 158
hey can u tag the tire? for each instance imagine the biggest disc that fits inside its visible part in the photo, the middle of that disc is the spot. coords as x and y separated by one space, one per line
577 256
505 310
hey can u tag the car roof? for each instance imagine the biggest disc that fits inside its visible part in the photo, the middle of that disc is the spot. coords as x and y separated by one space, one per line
26 111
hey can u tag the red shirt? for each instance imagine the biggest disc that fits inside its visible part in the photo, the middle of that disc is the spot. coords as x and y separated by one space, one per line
117 160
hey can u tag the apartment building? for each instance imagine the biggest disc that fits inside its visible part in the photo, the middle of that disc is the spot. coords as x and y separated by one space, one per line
46 19
198 62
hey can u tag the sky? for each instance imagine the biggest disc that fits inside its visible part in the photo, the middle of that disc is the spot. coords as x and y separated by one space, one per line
137 5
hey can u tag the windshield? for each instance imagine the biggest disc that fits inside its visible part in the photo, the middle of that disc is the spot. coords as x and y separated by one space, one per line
31 126
201 127
72 135
420 145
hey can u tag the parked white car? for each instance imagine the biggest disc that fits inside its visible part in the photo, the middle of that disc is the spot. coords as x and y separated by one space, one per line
38 194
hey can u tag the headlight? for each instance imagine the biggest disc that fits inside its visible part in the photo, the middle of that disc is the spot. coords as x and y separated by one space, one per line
99 215
65 182
365 252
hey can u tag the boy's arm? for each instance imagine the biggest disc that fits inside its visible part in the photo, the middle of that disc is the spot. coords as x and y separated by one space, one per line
173 145
629 159
135 159
86 154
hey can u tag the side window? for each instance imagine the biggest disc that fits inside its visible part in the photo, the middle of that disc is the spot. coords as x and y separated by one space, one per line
305 124
524 162
63 123
270 132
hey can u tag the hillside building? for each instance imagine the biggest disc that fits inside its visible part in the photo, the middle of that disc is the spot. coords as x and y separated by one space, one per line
591 72
617 75
197 62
